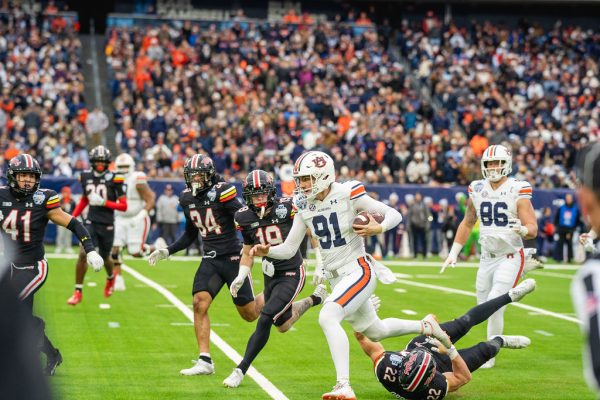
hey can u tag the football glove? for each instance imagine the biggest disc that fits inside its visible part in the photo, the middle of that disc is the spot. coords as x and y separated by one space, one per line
438 347
376 301
239 280
452 257
587 242
95 260
516 226
96 200
157 255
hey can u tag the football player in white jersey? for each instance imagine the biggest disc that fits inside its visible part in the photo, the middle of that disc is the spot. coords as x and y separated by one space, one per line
503 207
132 226
328 209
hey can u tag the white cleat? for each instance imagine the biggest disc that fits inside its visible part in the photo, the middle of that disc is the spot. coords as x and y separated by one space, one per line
200 367
514 342
522 289
431 327
119 283
160 243
341 391
234 380
321 292
489 364
532 264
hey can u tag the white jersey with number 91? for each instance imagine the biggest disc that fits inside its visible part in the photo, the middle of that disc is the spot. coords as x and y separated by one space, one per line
494 209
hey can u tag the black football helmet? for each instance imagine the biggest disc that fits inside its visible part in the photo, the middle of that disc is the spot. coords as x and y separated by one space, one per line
23 163
100 158
199 165
259 182
416 369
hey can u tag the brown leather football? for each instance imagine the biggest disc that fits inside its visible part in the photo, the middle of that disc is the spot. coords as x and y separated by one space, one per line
363 219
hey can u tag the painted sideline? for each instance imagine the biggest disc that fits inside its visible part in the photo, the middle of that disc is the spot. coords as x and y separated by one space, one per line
229 351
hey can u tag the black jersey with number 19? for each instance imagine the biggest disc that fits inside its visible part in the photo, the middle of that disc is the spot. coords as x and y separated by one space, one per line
23 222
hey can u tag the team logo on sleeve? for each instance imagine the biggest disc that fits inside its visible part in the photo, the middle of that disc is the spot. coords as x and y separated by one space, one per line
38 197
478 187
281 211
212 194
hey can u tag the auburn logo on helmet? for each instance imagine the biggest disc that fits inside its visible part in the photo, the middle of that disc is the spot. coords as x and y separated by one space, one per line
319 162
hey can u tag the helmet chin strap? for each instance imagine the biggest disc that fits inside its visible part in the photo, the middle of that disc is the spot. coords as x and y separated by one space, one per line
262 211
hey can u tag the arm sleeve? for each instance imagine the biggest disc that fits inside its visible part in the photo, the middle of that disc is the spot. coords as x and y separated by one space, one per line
287 249
83 203
392 217
186 239
82 234
119 205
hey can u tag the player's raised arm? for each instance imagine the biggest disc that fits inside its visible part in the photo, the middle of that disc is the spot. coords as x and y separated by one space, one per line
288 248
462 234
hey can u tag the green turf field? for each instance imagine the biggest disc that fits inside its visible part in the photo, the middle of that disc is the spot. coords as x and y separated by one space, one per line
150 340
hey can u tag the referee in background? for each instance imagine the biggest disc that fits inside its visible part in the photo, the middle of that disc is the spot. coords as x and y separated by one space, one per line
585 288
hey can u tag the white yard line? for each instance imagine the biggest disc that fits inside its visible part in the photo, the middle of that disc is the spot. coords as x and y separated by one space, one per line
229 351
540 311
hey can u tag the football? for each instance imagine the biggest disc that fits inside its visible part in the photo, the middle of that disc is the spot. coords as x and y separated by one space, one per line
363 218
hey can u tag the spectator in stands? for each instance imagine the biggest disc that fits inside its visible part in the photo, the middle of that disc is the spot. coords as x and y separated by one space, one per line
167 216
545 238
96 125
391 242
566 220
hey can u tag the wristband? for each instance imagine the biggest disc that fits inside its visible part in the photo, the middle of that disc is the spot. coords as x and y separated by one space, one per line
452 353
455 250
243 271
592 234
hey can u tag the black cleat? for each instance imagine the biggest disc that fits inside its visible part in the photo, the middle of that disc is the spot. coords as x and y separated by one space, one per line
53 362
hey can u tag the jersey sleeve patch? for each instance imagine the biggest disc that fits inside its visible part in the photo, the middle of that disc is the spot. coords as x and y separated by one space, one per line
525 191
53 202
141 178
357 190
228 194
118 179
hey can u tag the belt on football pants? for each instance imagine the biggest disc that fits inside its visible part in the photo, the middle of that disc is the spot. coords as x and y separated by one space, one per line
485 256
342 271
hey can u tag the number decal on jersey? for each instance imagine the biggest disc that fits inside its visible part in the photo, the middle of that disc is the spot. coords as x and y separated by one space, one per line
269 235
390 374
434 394
99 189
10 225
493 214
209 224
321 228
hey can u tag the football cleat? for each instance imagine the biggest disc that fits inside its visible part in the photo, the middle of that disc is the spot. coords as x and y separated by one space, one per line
108 288
514 342
431 327
76 298
200 367
321 292
52 362
234 380
160 243
522 289
491 363
532 264
119 283
341 391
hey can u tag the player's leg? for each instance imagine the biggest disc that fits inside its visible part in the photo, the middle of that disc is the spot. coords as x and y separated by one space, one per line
139 228
120 241
247 304
206 286
301 306
477 356
105 244
81 267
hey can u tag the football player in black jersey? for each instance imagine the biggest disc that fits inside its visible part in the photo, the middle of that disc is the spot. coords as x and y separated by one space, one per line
426 369
24 213
267 219
209 207
103 191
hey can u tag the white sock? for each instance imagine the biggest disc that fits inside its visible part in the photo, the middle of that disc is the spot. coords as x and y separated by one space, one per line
330 319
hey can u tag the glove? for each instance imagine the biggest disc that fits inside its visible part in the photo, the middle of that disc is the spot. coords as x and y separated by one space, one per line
157 255
96 200
319 276
438 347
94 259
515 225
452 257
239 280
587 242
376 301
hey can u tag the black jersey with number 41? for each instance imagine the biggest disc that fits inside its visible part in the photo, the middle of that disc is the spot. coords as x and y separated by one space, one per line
272 229
110 187
212 213
386 370
23 222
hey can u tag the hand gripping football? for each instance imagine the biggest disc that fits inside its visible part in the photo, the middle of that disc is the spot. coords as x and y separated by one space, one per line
363 219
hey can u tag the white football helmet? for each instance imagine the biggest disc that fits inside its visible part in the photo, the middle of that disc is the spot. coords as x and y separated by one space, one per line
496 153
319 166
124 164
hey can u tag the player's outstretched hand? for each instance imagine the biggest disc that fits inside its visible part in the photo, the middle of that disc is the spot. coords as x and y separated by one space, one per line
260 250
370 229
450 262
376 301
587 242
96 200
437 346
95 260
157 255
319 275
